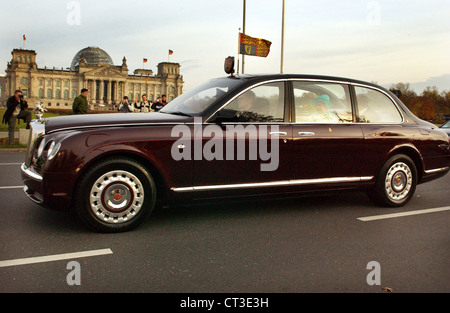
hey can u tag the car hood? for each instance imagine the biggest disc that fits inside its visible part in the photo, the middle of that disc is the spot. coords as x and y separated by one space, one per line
68 122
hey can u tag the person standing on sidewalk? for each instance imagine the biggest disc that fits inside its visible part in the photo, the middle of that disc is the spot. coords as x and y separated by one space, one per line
80 105
16 108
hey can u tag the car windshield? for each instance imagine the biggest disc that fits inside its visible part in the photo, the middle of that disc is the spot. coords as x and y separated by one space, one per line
446 125
198 99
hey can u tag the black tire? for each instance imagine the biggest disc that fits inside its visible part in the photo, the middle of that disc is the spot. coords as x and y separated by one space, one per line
396 182
115 195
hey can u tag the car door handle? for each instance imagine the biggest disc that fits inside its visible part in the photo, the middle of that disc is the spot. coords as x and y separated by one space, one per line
306 134
278 133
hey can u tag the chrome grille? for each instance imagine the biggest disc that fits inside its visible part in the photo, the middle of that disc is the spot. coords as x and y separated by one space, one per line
37 130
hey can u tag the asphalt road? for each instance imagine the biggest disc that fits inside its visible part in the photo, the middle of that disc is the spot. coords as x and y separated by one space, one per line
301 245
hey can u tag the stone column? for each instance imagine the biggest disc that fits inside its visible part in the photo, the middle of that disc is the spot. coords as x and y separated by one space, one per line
69 89
94 91
108 91
116 91
101 91
91 92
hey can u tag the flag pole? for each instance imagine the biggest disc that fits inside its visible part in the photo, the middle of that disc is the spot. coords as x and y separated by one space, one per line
282 39
243 31
238 50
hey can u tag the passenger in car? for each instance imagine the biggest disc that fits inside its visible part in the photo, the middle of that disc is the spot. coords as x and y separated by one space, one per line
323 104
366 114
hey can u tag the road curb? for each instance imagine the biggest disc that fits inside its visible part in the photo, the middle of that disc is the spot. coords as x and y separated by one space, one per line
13 150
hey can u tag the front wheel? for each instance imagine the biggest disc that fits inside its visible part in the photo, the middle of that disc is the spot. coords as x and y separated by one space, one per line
115 195
396 183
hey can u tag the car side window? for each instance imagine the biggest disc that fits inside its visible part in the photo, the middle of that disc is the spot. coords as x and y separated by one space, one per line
375 107
264 103
318 102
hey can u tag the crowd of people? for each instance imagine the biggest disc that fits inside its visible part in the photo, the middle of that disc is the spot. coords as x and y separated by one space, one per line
80 105
142 106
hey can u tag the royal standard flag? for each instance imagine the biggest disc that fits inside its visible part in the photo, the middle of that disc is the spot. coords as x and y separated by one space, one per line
253 46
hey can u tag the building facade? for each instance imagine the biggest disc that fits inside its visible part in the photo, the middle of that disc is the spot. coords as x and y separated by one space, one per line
91 68
3 93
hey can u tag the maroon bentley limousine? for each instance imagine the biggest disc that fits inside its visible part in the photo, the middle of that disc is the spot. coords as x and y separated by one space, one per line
253 135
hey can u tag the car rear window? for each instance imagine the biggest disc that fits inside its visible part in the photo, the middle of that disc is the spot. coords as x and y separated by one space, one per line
375 107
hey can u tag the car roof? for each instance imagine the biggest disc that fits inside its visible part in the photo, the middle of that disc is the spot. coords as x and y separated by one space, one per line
305 76
316 77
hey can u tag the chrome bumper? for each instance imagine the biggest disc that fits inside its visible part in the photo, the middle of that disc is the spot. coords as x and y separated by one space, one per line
33 184
30 173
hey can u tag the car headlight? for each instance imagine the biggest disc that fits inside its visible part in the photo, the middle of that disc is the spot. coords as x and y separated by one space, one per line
53 150
40 148
47 150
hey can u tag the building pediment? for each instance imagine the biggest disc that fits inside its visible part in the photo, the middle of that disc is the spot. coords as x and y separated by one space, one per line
104 72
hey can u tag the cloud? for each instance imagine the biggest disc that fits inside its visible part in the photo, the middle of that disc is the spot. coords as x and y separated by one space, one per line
442 83
410 43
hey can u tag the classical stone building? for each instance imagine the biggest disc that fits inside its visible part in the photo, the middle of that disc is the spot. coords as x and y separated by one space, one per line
3 92
91 68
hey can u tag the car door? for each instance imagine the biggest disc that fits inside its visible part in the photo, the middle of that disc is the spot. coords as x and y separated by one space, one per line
327 146
246 144
382 125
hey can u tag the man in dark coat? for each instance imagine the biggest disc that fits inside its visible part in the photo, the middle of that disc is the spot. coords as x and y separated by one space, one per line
80 105
16 108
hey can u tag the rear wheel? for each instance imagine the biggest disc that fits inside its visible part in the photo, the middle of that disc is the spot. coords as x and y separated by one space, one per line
396 183
115 195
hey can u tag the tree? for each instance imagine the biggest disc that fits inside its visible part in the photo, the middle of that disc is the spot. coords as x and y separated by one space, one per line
408 96
430 105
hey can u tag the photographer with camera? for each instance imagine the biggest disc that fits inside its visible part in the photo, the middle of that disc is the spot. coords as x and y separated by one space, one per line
16 108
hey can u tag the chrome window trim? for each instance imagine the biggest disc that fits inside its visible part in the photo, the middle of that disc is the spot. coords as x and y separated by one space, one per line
294 182
386 94
240 93
342 82
352 84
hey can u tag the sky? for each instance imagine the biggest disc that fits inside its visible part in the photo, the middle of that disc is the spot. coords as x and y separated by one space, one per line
385 42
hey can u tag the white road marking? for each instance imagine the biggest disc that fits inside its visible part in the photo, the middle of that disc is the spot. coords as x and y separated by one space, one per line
393 215
11 187
56 257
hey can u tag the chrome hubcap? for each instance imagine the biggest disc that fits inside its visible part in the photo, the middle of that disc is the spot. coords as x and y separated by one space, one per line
116 197
398 181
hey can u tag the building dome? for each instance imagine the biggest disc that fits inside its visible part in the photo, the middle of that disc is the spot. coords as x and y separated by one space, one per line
92 56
